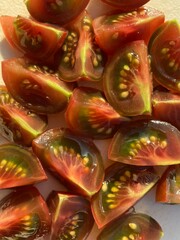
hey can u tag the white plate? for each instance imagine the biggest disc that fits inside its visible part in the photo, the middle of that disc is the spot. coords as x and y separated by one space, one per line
167 215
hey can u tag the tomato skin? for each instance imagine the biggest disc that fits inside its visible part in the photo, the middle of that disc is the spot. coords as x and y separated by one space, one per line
76 161
19 167
169 103
134 225
23 124
50 11
164 48
74 219
80 56
35 40
127 80
34 87
115 29
125 5
89 114
144 143
168 187
21 208
122 187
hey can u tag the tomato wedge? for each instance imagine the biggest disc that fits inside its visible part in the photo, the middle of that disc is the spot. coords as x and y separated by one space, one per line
114 29
71 216
19 167
35 40
24 215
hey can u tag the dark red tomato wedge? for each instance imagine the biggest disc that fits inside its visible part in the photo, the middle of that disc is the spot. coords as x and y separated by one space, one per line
55 11
24 215
89 114
166 107
168 188
34 39
75 160
126 5
24 125
146 143
127 80
113 30
164 48
71 216
19 167
132 226
80 56
122 187
35 87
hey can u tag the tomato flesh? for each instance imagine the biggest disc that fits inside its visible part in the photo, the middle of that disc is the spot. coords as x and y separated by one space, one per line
34 39
35 86
52 11
168 187
164 47
113 30
127 80
19 167
122 187
89 114
132 226
71 216
24 215
75 160
146 143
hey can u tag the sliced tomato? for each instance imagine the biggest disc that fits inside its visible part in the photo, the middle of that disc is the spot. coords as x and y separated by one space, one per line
166 107
34 86
24 215
19 167
80 56
127 80
146 143
89 114
71 216
25 125
122 187
55 11
168 188
36 40
133 226
113 30
126 5
164 47
75 160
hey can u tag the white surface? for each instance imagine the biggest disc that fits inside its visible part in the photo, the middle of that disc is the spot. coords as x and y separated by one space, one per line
167 216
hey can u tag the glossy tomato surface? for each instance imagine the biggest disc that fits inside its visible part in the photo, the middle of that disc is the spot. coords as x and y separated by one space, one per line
122 187
164 47
34 39
89 114
146 143
127 80
169 103
125 5
75 160
71 216
19 167
80 56
35 86
24 215
52 11
114 29
168 188
135 226
23 124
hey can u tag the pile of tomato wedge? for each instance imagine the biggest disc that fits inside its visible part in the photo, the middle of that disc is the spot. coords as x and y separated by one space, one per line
114 78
